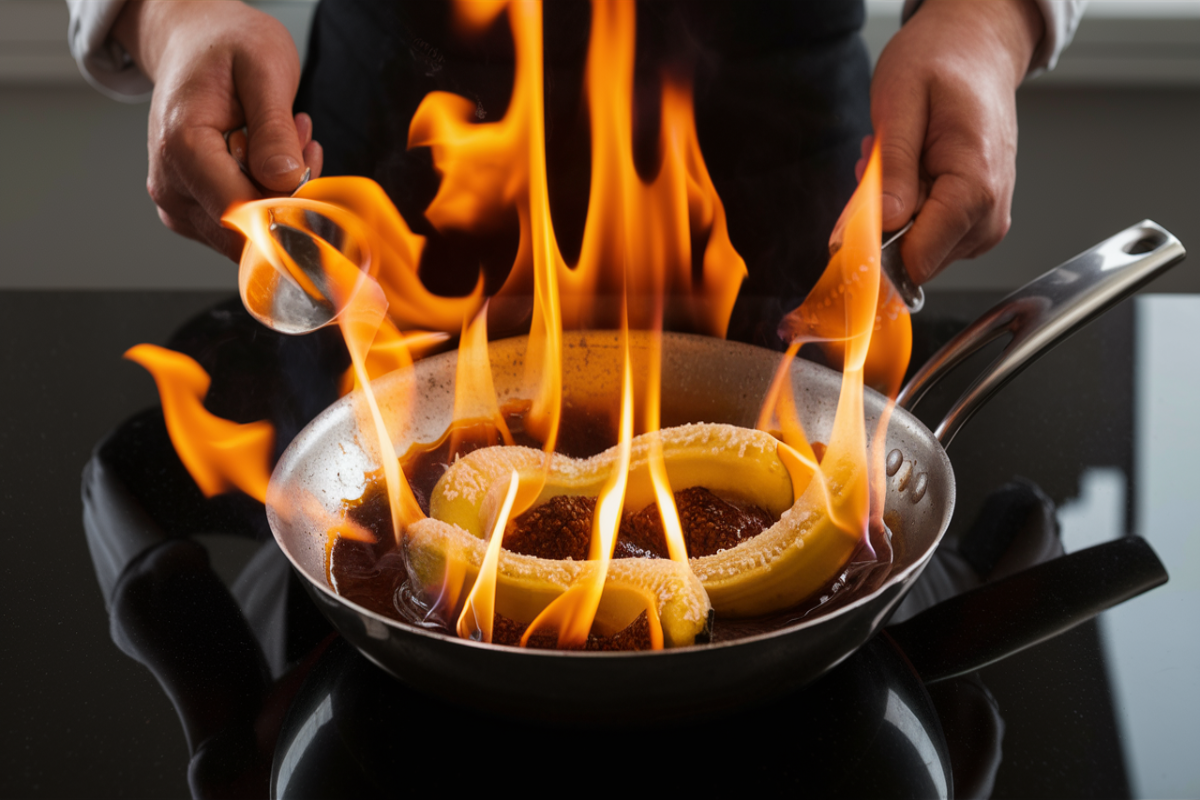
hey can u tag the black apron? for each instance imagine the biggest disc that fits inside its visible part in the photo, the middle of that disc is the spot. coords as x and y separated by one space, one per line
781 99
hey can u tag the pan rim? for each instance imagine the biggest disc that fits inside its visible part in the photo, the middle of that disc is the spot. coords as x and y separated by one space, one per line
897 577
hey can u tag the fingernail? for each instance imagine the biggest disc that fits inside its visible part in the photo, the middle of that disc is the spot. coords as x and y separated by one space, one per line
890 205
280 165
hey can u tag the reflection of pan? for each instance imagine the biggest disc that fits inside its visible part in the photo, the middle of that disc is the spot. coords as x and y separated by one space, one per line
715 381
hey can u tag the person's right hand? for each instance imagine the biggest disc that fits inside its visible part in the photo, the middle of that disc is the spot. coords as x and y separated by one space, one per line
216 66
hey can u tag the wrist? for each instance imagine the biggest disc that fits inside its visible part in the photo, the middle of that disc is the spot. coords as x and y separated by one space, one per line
128 31
1012 30
145 29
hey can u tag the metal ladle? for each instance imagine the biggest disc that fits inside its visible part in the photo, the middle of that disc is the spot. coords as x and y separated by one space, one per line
278 299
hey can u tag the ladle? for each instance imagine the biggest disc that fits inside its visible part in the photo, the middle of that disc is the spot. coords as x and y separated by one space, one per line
273 294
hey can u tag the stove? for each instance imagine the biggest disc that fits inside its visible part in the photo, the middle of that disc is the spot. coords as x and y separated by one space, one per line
213 631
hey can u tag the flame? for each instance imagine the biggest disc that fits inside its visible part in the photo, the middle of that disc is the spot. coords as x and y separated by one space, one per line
220 455
476 412
488 169
574 611
663 497
298 507
361 317
637 250
475 622
391 350
871 339
359 302
369 235
852 292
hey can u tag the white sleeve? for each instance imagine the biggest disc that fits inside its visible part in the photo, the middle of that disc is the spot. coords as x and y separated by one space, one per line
1061 17
103 62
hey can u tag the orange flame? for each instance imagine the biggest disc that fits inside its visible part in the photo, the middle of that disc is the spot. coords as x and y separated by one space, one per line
220 455
392 350
476 411
374 238
358 301
574 611
873 343
475 622
636 250
488 169
852 291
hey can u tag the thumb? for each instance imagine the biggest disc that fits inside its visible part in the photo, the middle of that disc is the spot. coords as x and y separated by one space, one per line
900 123
274 150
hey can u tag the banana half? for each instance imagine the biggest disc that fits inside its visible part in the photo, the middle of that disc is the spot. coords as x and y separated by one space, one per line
777 569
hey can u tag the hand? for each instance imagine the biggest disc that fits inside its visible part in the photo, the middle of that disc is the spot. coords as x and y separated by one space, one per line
943 102
216 66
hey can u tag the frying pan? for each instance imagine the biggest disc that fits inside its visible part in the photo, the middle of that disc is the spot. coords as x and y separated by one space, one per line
706 380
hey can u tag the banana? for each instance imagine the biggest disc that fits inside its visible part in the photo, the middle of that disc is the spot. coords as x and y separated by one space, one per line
737 463
442 556
775 570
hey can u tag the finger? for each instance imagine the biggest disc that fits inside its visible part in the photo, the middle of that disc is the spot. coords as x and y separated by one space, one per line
190 220
923 186
314 158
206 172
900 113
267 89
227 242
954 220
304 128
864 155
235 141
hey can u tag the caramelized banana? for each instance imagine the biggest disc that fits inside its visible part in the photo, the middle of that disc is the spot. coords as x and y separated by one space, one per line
444 557
777 569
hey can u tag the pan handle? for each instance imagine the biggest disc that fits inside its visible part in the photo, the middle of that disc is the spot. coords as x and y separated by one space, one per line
996 620
1043 313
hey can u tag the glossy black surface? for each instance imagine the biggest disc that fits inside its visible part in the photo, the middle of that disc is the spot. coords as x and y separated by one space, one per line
866 730
82 717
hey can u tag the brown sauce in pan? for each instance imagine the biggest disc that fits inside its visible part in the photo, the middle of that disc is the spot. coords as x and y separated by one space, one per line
562 527
373 575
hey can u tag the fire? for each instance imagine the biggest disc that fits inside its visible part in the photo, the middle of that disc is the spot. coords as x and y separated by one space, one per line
476 412
391 350
573 613
341 250
220 455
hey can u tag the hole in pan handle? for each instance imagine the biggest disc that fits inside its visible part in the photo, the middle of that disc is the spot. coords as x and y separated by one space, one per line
1043 313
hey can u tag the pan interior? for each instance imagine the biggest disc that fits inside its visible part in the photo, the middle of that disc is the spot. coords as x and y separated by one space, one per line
704 380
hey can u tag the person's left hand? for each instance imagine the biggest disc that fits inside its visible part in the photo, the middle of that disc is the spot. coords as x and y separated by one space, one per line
943 105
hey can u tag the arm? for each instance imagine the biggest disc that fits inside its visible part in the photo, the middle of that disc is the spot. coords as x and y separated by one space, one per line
215 67
943 102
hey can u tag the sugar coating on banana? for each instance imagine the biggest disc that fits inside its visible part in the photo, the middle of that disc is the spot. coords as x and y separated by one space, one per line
525 585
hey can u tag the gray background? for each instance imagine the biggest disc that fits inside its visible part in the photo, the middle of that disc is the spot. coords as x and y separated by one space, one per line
1106 140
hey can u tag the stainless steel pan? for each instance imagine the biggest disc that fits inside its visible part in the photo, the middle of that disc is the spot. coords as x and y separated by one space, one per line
704 380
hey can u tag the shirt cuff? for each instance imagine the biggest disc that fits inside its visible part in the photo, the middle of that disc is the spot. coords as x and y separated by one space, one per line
1061 19
103 62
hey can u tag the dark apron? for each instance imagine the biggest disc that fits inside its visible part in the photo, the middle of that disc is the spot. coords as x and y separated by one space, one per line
781 97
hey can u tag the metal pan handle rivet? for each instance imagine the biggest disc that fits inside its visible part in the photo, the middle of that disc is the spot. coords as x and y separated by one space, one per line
894 460
919 487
